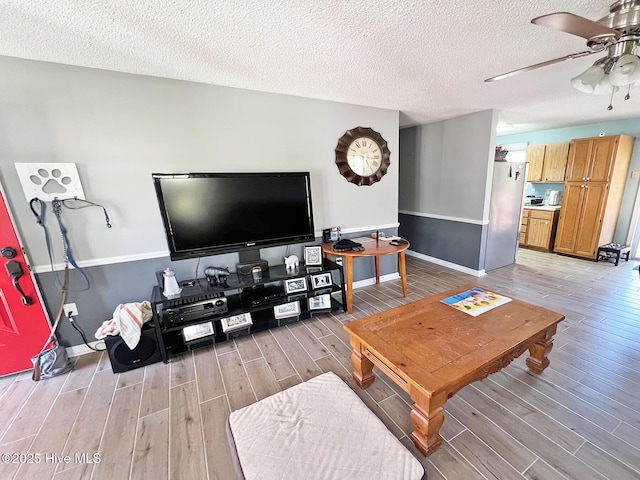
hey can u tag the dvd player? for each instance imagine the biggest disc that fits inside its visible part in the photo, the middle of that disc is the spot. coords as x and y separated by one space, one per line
256 297
256 302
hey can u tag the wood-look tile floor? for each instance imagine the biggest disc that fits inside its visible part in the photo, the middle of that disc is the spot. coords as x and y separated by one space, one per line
579 420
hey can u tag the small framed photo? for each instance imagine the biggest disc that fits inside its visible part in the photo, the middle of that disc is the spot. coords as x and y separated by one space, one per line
293 285
236 322
320 302
313 255
321 280
193 332
286 310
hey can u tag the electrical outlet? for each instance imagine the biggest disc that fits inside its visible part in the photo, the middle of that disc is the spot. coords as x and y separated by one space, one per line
70 310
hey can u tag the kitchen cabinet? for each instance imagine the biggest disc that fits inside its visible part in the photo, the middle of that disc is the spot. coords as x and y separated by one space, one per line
596 175
538 228
547 162
555 162
524 223
535 158
591 159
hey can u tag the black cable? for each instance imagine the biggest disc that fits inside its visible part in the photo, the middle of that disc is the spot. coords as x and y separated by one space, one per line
84 338
197 267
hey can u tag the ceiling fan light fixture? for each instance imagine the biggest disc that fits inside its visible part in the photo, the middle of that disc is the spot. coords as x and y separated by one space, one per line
589 80
626 70
604 87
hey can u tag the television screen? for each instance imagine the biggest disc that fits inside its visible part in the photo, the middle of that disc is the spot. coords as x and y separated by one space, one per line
211 213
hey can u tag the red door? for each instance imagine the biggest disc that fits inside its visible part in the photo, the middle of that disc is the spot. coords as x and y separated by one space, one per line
24 325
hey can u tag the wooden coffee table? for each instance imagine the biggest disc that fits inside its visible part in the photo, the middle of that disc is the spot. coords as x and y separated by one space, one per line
431 350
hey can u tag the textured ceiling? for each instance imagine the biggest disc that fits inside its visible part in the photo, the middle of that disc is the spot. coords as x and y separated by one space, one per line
427 59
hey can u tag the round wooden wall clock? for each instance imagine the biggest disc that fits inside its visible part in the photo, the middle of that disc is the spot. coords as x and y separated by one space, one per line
362 156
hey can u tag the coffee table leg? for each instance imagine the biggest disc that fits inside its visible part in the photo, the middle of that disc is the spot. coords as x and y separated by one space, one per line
539 351
427 416
362 366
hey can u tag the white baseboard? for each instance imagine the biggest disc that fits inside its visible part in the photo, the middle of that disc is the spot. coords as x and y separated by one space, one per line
372 281
444 263
82 349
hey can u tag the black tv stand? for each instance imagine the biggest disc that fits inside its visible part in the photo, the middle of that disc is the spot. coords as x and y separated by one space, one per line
203 303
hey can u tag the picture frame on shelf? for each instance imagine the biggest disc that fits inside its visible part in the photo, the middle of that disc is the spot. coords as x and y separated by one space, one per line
321 280
320 302
236 322
313 255
293 285
193 332
286 310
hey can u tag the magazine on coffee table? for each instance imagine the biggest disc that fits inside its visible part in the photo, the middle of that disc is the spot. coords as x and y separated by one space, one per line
475 301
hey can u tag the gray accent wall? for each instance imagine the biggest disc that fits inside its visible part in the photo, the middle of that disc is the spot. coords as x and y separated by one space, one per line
455 242
120 128
445 186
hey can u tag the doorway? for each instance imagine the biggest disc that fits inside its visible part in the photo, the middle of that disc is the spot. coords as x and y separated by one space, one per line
24 323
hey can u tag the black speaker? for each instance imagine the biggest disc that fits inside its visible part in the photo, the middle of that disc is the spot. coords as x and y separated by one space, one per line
124 359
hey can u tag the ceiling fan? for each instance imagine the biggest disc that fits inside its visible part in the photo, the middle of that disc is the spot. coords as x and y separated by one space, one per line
618 34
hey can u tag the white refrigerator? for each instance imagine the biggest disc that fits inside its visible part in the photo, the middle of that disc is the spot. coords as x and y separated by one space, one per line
505 214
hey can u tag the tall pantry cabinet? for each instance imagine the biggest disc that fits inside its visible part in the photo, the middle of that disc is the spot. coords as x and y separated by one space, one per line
594 183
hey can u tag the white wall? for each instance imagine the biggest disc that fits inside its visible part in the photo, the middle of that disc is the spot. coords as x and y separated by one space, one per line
449 173
119 128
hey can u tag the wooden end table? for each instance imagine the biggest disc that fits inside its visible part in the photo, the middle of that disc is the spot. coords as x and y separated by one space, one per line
376 249
431 350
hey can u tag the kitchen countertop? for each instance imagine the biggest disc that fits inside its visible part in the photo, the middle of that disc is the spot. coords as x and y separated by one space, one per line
550 208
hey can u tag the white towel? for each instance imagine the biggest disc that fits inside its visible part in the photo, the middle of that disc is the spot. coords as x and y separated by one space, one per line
127 321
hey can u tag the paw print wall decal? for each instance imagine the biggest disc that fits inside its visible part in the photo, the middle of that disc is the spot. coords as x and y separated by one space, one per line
47 181
52 182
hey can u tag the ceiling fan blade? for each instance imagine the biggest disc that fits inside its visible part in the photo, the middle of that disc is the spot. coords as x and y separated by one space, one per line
539 65
575 25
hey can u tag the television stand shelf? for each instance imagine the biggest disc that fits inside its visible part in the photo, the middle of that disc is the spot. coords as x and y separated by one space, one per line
203 307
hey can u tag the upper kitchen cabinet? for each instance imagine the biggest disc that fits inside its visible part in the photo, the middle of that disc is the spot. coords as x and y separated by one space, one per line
591 159
555 162
547 163
535 159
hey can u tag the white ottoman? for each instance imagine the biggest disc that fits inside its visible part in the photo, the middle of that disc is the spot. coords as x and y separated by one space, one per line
319 429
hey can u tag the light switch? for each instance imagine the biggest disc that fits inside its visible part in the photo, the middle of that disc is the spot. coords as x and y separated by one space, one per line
635 174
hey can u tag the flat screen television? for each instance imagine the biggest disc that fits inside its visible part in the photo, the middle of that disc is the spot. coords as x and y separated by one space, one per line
212 213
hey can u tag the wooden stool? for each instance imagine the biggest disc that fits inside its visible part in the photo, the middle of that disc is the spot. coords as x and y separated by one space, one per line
613 250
